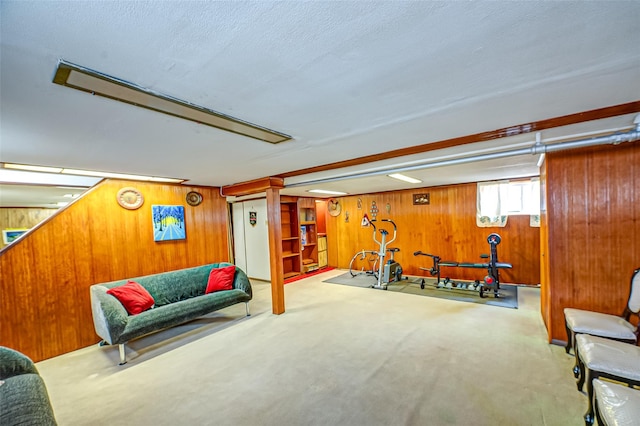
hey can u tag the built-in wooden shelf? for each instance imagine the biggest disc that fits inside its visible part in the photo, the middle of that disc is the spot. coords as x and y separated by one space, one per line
290 226
299 234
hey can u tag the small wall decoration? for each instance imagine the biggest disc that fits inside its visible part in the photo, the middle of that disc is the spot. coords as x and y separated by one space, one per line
365 220
194 198
374 210
130 198
388 207
420 199
10 235
346 216
168 223
253 218
359 203
334 207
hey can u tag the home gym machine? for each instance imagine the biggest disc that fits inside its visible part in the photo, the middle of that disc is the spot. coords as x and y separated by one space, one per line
491 280
390 271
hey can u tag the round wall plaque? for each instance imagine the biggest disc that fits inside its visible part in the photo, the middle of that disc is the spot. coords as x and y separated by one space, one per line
194 198
334 207
130 198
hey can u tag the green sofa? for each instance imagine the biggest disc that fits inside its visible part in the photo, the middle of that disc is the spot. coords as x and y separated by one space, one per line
179 297
24 399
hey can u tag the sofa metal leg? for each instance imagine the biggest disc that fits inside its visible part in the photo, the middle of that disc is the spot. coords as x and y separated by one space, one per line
246 304
123 356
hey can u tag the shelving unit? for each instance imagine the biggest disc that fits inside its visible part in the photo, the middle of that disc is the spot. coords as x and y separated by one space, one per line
299 235
308 234
322 251
291 256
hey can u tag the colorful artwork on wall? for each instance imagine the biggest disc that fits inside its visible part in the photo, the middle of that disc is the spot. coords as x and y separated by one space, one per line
168 223
10 235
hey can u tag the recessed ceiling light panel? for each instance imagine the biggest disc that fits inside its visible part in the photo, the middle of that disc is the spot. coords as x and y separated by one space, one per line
53 171
404 178
97 83
324 191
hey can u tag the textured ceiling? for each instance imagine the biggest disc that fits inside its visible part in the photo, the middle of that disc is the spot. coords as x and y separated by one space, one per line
345 79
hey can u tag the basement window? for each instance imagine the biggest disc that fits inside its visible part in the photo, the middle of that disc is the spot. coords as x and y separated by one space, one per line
499 199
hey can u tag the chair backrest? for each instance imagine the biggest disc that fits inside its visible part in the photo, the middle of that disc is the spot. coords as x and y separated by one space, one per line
634 296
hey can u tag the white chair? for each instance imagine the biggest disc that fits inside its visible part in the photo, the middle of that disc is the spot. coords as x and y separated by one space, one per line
597 357
606 325
616 405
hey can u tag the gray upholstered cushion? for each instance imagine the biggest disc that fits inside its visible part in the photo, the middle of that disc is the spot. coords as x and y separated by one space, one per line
179 312
599 324
618 405
609 356
13 363
24 399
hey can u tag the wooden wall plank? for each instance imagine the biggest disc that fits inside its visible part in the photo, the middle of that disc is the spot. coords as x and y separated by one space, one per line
45 277
446 227
545 288
593 196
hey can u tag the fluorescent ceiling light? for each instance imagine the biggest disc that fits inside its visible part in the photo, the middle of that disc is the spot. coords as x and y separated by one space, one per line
12 177
323 191
402 177
118 175
90 173
96 83
30 168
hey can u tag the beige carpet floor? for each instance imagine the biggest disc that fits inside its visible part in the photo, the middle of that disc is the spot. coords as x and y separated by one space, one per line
340 355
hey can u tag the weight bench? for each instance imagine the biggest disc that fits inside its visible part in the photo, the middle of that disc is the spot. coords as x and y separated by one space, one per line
598 357
491 280
615 405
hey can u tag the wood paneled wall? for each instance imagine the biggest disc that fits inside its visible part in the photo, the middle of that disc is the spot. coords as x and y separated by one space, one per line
545 288
593 215
446 227
45 277
27 218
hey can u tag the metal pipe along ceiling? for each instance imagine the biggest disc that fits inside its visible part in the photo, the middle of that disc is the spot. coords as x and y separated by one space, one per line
538 148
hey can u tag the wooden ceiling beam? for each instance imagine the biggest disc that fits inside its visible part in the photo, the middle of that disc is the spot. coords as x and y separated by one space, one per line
536 126
253 186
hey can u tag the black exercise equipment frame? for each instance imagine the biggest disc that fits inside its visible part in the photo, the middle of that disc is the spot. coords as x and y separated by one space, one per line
491 280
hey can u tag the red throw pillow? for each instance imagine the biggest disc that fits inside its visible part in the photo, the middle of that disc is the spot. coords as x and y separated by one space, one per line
133 297
221 279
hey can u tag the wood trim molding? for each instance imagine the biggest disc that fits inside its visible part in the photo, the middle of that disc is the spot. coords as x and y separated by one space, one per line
536 126
253 186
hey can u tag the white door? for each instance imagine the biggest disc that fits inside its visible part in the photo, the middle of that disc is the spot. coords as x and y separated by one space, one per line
239 251
252 241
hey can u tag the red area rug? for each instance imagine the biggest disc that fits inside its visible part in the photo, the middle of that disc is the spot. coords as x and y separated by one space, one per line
308 274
